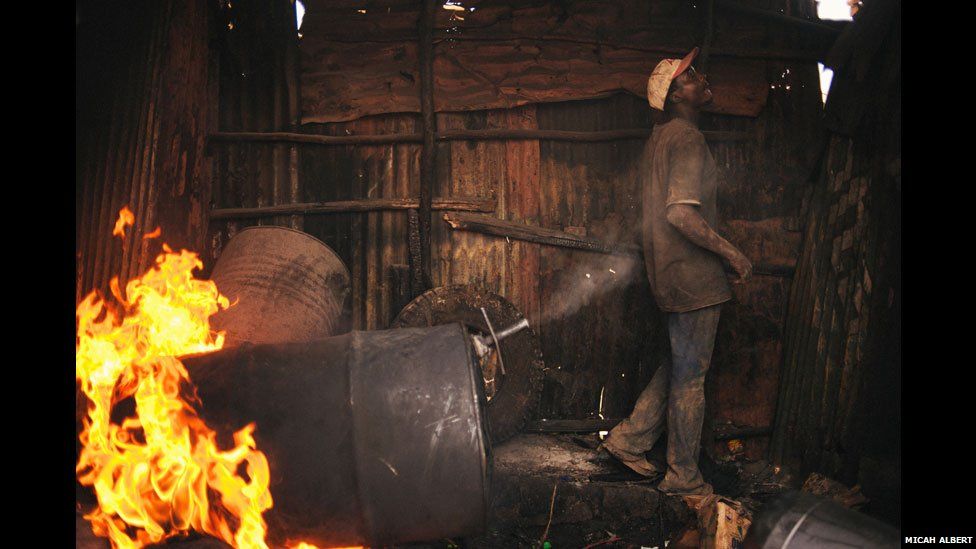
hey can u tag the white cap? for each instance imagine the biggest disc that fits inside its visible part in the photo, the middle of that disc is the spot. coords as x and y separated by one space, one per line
662 75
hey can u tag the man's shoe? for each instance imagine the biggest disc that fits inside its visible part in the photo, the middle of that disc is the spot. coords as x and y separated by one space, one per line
635 462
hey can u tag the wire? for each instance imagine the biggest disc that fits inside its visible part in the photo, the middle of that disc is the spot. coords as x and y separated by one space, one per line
552 505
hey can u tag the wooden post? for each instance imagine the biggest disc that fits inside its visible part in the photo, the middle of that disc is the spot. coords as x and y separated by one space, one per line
428 155
416 272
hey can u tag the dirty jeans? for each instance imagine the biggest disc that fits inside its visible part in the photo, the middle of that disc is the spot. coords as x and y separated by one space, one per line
677 388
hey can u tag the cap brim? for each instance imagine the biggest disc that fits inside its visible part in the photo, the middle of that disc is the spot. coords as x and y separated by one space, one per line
685 62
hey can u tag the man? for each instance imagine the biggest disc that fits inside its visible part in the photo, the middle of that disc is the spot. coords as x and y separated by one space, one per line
683 255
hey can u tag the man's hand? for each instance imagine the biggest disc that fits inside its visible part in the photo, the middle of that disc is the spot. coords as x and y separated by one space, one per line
742 266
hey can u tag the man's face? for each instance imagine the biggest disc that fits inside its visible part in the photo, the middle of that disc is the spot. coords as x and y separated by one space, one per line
692 88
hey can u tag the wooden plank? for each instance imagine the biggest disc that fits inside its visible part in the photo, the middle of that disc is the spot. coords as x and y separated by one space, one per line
530 233
460 135
472 204
475 169
520 183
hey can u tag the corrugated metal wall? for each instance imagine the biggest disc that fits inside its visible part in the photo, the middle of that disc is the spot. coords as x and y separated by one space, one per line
258 50
601 334
146 92
576 187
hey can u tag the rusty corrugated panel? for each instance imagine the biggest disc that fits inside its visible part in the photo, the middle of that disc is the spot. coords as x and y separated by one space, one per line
762 182
502 56
146 148
600 334
598 326
258 92
370 243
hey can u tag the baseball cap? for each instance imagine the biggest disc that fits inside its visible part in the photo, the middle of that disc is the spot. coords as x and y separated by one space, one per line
662 75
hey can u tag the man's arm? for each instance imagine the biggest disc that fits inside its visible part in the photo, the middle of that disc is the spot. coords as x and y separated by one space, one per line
686 219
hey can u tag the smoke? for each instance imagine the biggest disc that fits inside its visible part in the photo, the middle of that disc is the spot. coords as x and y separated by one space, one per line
582 278
588 278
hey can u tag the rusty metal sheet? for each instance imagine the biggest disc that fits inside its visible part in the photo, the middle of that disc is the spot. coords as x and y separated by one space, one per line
503 57
144 146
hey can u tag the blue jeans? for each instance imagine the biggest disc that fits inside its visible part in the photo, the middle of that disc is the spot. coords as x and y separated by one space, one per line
676 393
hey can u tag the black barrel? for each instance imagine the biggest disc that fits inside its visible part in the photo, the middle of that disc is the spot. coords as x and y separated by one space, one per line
796 520
372 438
285 285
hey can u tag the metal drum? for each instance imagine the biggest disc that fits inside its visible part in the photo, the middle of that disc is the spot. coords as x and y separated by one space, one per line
796 520
373 438
284 285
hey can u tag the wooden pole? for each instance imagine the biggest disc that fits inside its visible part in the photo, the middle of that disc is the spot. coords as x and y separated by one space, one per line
471 204
460 135
428 155
413 246
530 233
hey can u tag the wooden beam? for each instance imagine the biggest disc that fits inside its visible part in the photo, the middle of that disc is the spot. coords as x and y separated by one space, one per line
363 205
530 233
460 135
428 155
313 139
576 136
736 52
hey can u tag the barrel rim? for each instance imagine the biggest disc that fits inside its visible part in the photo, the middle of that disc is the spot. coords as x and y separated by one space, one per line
481 410
303 233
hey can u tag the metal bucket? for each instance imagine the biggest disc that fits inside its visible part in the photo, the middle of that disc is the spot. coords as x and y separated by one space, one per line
285 285
373 438
796 520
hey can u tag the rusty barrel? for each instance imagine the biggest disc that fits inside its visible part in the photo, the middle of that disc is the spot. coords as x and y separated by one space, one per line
373 438
285 285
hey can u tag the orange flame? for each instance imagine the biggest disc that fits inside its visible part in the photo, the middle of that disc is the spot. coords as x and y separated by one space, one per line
154 474
126 217
160 474
154 234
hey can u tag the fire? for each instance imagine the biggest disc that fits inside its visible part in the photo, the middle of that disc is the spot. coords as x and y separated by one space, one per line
126 217
160 474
